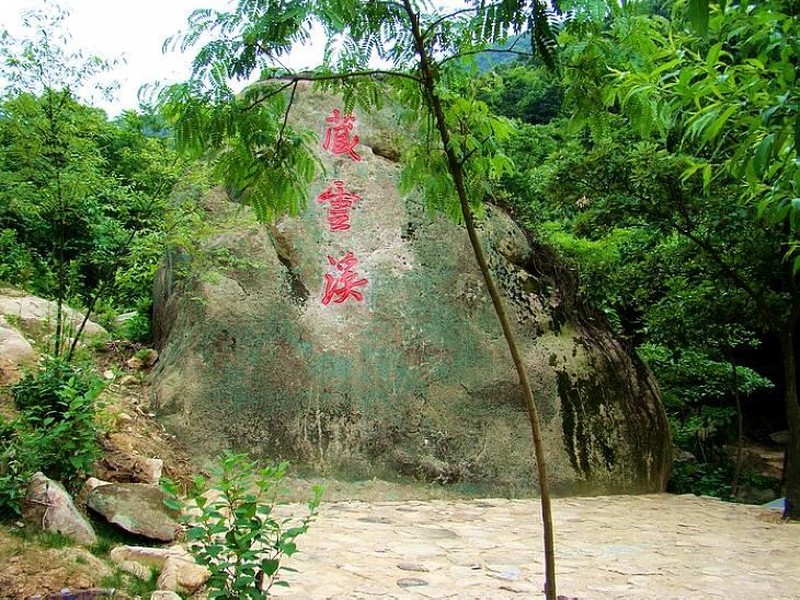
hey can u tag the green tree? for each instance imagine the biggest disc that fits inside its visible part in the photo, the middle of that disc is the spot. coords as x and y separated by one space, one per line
715 117
526 91
85 205
426 50
59 167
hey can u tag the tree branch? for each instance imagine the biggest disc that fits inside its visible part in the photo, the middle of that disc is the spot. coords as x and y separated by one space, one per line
285 118
293 79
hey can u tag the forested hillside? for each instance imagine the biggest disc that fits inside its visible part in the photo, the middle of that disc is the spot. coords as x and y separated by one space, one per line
652 146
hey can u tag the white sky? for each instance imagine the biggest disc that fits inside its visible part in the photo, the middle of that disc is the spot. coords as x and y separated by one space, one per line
133 30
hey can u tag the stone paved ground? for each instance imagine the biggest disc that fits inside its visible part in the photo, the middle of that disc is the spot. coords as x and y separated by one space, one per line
633 547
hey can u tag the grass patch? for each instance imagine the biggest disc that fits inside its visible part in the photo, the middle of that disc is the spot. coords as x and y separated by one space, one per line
130 584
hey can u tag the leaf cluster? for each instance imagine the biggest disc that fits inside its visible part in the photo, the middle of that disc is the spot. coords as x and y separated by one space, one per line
56 431
235 531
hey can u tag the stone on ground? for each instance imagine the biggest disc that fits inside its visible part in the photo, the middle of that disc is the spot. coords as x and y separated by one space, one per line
48 505
137 508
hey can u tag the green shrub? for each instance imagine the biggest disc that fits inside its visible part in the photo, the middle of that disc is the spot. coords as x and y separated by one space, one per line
56 432
236 534
137 329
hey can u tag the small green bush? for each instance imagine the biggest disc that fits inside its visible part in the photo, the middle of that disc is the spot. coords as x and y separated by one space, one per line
56 432
236 535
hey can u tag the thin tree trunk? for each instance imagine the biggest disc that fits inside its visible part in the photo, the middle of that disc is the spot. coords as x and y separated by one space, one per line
792 507
60 268
456 172
740 426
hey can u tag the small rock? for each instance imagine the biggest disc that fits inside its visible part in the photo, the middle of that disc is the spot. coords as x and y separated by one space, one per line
147 556
149 469
138 570
15 353
124 317
134 363
143 359
780 437
413 567
127 380
164 595
182 574
94 482
407 582
48 505
506 572
108 375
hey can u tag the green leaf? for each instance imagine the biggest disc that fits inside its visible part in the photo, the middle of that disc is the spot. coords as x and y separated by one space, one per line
173 504
716 126
288 548
270 566
706 178
195 533
762 155
698 15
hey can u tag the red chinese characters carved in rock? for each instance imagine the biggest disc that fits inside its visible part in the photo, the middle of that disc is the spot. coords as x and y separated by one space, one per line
340 201
343 284
337 135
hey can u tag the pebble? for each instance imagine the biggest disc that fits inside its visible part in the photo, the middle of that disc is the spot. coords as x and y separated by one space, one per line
413 567
408 582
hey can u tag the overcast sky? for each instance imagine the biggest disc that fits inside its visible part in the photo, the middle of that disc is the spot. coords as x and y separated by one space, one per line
134 30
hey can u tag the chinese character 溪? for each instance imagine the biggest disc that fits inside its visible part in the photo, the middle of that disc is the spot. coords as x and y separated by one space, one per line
341 286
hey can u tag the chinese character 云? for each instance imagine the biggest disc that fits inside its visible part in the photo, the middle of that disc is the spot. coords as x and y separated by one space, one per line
337 135
340 201
342 286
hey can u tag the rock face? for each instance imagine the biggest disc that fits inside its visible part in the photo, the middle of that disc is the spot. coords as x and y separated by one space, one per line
135 507
48 505
414 378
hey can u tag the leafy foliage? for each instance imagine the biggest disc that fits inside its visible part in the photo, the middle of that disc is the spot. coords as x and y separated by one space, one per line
56 431
234 529
522 91
84 208
646 190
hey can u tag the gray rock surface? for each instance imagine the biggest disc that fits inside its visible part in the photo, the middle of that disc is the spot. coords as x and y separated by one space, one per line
16 353
47 505
135 507
415 378
37 314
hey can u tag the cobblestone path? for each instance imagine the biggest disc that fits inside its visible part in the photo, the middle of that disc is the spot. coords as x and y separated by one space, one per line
656 547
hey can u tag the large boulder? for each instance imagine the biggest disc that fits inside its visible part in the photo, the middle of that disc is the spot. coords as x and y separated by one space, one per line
413 378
